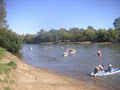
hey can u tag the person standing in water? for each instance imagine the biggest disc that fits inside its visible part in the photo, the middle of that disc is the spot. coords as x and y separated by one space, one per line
99 53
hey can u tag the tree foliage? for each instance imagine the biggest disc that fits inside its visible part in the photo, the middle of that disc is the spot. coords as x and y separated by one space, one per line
117 23
2 13
113 35
102 35
10 40
74 35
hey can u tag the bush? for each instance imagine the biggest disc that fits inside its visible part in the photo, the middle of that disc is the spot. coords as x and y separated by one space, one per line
10 40
12 63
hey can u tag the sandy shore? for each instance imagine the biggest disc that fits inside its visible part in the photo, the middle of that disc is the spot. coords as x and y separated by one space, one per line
30 78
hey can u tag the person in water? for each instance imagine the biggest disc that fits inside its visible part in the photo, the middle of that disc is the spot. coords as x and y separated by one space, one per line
110 69
99 53
96 70
101 68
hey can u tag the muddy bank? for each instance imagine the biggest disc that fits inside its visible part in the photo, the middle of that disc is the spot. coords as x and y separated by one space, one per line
29 78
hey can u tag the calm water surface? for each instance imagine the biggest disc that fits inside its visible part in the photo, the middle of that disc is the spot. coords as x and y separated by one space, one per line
79 65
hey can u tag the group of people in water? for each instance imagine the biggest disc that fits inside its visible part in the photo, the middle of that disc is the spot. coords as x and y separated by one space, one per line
101 68
69 50
48 47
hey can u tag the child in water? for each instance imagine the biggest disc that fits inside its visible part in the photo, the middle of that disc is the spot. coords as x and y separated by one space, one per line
99 53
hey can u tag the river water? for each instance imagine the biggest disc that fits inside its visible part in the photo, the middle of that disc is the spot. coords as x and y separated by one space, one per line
78 65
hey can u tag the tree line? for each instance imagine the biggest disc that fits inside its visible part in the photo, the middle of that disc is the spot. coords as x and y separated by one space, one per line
74 34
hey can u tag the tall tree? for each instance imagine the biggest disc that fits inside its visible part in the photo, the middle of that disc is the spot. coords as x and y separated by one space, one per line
89 35
117 23
2 13
90 28
102 35
113 35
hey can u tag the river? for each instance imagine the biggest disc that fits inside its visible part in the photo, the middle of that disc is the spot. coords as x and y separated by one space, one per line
78 65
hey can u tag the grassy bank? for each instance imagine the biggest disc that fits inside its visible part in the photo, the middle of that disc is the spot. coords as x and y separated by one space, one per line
5 71
5 67
5 75
2 53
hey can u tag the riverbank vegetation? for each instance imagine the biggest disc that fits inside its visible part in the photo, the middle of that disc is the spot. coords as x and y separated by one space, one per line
2 53
8 39
5 70
5 75
75 34
5 67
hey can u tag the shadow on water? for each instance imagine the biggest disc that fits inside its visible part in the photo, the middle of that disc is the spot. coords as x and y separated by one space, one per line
78 65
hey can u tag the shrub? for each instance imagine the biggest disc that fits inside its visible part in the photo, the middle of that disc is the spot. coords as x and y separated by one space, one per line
10 40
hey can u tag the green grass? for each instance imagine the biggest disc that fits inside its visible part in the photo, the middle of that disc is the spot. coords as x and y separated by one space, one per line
5 67
7 88
9 80
2 53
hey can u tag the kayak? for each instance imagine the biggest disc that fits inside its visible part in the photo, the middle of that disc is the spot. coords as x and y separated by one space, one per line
65 55
73 51
105 72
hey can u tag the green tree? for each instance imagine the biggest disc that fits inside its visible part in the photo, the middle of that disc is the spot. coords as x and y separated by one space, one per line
102 35
63 34
113 34
75 34
90 28
2 13
89 35
28 38
117 23
10 40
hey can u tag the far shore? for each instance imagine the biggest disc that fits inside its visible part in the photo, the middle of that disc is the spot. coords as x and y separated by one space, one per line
30 78
84 42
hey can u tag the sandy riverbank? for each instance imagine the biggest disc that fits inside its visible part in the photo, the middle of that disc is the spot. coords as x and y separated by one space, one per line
30 78
63 43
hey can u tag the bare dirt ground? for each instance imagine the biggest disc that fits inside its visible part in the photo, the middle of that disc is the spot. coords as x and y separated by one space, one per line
29 78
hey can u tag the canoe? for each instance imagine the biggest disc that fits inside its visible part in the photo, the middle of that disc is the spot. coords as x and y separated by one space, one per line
105 72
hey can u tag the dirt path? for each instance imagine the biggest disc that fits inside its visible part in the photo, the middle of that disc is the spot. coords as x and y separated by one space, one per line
30 78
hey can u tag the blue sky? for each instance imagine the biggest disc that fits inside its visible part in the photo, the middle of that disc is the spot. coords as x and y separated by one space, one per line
29 16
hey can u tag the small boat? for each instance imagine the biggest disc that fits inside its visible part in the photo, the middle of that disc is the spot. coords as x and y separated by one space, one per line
105 72
74 51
